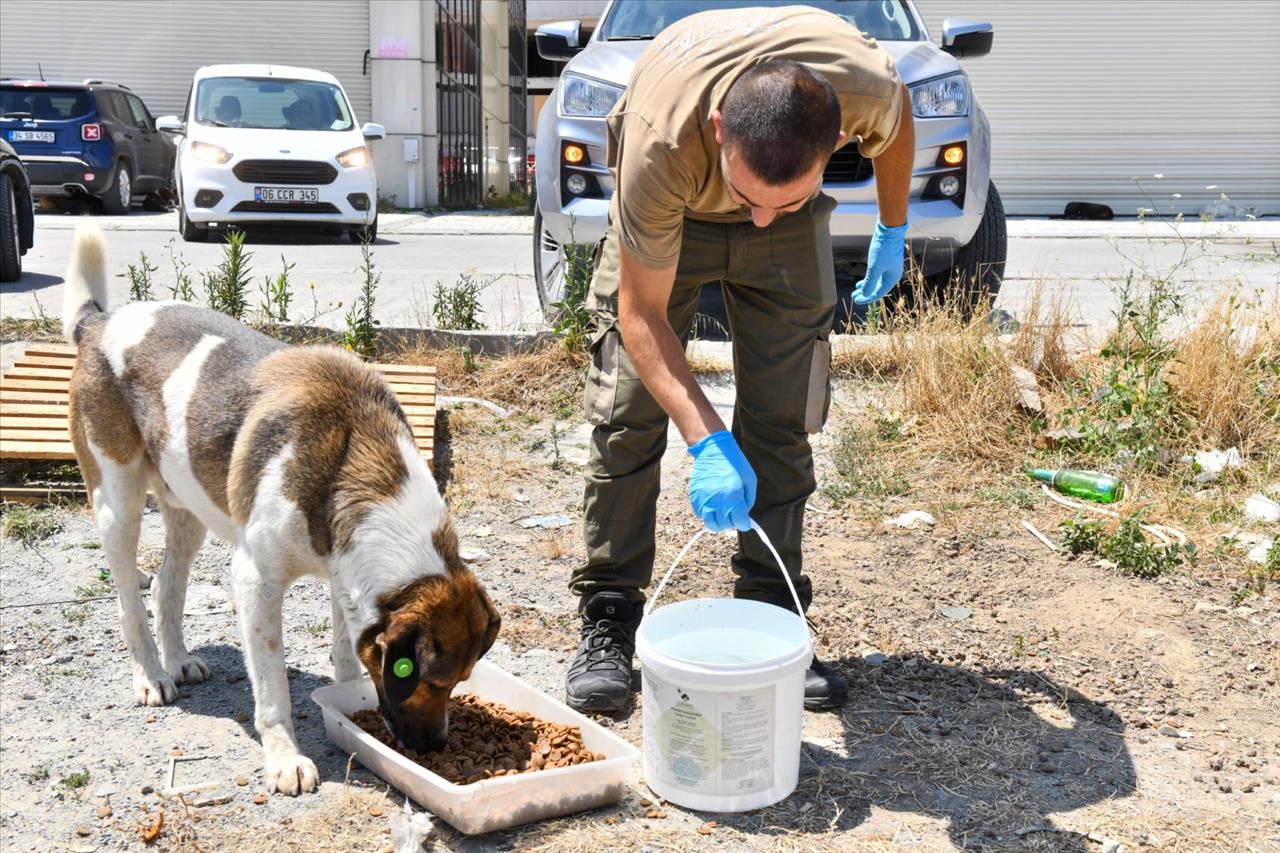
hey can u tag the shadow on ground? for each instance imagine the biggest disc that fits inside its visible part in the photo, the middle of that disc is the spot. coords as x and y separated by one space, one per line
994 754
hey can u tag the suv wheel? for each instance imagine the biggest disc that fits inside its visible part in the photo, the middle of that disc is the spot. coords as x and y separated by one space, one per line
549 267
976 273
191 233
10 245
120 195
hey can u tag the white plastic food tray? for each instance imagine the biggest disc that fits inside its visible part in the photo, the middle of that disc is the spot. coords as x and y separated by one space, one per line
489 804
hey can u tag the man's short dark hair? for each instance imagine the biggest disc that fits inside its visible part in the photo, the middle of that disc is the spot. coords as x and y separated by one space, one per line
781 118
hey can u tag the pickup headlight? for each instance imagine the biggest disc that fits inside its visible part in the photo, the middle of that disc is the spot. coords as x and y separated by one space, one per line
946 96
209 153
582 97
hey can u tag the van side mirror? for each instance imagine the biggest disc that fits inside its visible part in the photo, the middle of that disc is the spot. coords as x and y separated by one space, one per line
171 124
560 41
967 39
373 131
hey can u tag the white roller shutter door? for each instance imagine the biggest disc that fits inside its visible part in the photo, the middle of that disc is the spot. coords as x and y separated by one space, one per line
1085 95
155 46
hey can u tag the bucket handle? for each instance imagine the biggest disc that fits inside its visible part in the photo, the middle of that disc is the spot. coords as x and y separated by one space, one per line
648 608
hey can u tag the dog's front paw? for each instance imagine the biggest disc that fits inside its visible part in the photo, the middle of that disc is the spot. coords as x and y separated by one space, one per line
291 773
157 690
186 669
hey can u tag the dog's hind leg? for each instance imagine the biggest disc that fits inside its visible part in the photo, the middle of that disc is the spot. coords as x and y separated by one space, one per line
346 666
119 496
183 536
259 589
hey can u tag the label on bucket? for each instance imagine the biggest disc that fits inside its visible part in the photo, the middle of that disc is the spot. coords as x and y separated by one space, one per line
710 742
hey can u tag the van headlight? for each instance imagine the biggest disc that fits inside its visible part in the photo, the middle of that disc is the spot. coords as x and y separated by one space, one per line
580 96
946 96
354 158
209 153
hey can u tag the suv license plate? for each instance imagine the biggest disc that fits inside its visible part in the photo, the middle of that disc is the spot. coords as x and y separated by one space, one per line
31 135
286 195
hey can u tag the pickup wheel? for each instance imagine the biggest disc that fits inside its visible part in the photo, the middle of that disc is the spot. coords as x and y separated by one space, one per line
973 281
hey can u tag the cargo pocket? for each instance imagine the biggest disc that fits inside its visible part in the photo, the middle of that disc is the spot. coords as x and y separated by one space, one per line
602 378
818 402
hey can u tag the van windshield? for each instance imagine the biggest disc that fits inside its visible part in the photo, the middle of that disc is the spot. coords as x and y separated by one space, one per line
631 20
43 103
271 103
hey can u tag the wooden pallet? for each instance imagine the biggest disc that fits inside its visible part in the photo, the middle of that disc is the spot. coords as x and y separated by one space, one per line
34 392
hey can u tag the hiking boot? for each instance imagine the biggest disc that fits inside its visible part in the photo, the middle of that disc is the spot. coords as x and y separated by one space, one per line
599 677
823 689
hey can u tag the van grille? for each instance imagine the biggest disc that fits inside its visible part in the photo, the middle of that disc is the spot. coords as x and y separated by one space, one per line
288 209
285 172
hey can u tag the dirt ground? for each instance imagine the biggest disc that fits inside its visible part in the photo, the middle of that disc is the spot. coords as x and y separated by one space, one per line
1055 706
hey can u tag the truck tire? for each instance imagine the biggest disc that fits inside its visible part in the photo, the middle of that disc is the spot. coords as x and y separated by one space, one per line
973 281
10 243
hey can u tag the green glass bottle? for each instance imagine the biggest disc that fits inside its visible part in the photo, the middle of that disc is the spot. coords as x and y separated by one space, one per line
1087 485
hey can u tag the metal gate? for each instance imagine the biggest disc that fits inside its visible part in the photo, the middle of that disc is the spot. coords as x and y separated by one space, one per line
460 176
518 105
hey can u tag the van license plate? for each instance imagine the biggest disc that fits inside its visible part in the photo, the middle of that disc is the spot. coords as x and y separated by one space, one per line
286 195
31 135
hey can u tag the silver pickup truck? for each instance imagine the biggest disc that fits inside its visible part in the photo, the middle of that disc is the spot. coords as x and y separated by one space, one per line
957 221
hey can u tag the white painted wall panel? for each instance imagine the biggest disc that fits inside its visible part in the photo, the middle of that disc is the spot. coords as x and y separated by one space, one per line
1084 95
154 46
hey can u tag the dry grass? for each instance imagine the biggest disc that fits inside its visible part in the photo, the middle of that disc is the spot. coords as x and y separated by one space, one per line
1227 376
541 381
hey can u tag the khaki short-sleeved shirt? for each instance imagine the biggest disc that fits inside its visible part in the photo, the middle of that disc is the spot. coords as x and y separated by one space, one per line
662 143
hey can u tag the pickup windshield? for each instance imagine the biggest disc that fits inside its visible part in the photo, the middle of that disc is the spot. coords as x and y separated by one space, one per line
631 20
271 103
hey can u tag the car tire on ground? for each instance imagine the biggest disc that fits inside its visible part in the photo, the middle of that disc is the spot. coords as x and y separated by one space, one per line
191 233
973 281
119 197
549 265
357 234
10 245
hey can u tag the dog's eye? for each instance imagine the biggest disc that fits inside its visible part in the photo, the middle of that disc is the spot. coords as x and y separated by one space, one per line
439 686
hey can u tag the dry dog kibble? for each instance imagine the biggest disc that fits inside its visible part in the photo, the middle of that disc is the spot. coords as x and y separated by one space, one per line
488 740
259 799
242 781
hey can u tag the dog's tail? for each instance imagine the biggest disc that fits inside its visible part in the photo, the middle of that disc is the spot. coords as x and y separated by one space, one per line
86 287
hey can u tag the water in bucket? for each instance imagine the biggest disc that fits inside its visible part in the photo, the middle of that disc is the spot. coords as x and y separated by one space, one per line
723 694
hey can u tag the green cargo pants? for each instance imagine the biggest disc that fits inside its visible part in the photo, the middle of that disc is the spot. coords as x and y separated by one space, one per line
779 292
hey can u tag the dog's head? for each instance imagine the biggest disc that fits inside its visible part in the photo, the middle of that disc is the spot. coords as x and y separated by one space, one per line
430 637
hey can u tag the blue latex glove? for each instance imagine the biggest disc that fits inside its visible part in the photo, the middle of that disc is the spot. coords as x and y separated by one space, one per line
722 487
884 264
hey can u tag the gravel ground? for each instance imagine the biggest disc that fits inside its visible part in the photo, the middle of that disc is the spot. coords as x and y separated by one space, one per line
1065 708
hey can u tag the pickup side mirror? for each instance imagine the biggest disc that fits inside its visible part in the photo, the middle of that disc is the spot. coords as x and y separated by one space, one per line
967 39
373 131
171 124
560 41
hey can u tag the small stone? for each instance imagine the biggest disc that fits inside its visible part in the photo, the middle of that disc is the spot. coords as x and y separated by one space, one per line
241 717
106 789
956 612
105 811
147 789
259 799
1224 787
28 696
1168 730
89 653
375 811
83 831
242 781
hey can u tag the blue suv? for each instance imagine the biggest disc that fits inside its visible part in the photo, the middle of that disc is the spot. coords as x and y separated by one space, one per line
94 138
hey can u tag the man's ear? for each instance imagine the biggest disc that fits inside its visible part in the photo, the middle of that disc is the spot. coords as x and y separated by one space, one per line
403 645
717 118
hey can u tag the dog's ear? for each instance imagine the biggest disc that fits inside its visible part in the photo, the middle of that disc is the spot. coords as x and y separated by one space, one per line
398 686
495 623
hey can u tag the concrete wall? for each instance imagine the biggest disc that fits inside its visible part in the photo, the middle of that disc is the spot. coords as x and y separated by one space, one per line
494 97
402 44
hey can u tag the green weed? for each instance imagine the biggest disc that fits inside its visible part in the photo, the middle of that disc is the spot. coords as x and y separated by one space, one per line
79 779
30 524
317 629
140 279
181 288
361 333
76 615
1127 547
573 320
277 294
227 288
864 463
457 307
39 774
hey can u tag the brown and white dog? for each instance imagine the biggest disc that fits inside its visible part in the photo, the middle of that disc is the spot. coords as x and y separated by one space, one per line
302 459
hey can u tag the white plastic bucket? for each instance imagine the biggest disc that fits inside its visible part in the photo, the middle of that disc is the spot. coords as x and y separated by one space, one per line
723 686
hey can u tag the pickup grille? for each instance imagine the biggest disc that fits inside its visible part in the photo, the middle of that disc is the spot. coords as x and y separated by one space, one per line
847 166
285 172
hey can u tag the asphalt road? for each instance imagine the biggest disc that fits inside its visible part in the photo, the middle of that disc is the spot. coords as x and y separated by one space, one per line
1082 261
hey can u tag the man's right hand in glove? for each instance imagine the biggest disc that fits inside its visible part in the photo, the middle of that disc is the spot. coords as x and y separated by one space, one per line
722 487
